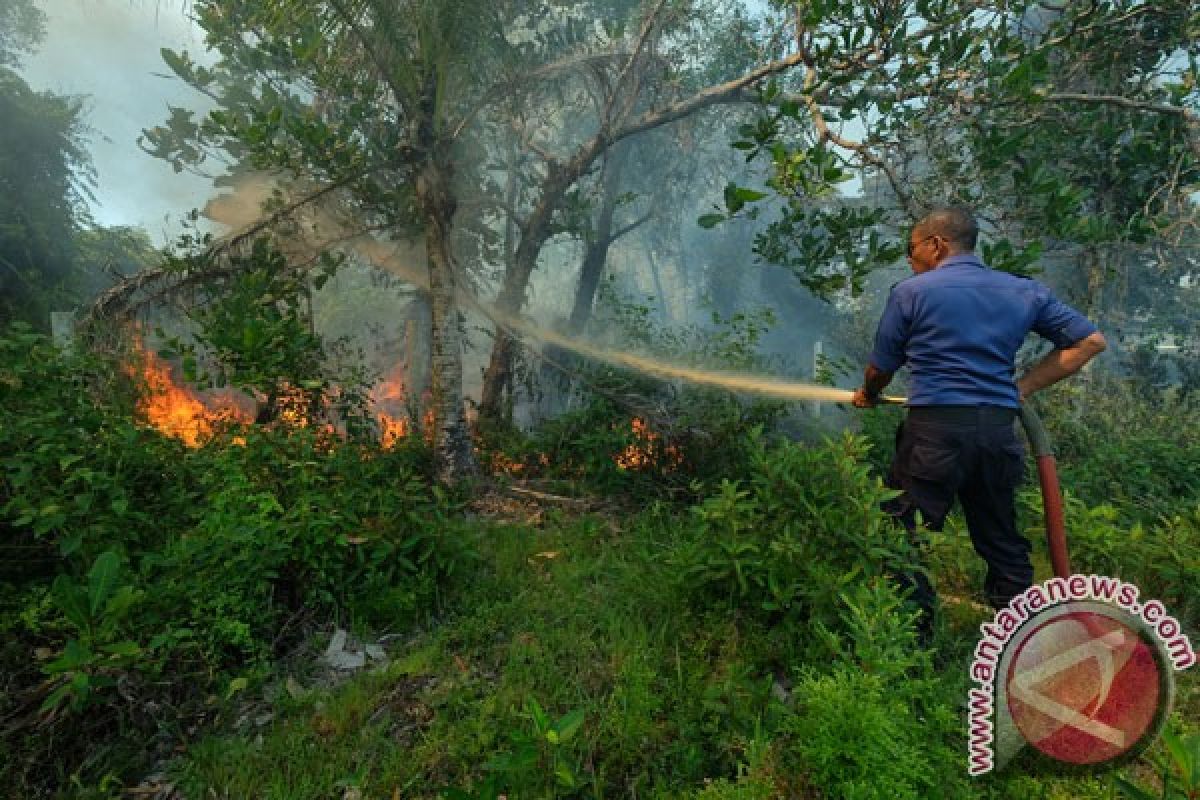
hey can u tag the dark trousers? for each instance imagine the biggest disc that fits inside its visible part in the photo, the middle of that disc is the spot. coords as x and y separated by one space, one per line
974 454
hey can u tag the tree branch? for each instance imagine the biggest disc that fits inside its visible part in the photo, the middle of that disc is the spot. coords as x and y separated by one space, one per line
863 150
606 119
118 297
631 227
1191 120
729 92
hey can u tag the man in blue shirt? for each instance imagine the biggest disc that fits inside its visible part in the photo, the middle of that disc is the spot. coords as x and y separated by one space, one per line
958 325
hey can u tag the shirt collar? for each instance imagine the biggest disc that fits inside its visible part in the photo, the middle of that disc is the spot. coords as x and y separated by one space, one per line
962 259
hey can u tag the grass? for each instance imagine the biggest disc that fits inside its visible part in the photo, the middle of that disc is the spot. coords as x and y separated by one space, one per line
569 615
580 614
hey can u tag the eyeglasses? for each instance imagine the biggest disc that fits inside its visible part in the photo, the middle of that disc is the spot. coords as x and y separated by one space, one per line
912 247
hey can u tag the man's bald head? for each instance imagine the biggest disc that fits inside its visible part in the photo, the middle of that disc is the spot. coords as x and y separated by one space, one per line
956 225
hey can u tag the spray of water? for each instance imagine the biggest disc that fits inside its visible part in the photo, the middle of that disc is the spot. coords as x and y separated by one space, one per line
399 261
738 382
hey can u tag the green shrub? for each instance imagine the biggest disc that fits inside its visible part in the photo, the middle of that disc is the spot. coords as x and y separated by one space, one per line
137 561
251 332
687 437
77 476
1115 445
858 739
801 527
1161 558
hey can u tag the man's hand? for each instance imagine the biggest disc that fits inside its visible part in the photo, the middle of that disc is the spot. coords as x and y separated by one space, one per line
862 400
874 381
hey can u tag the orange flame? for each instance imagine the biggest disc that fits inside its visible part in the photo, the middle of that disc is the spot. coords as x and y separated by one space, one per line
391 429
644 453
179 411
194 417
389 399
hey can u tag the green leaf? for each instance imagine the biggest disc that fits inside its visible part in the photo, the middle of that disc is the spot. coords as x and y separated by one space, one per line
1175 747
565 776
749 195
74 656
189 366
732 201
236 685
540 720
72 601
57 698
126 649
568 724
1133 790
177 64
710 220
737 196
102 580
70 544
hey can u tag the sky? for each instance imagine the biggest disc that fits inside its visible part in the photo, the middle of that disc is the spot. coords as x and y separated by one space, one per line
109 50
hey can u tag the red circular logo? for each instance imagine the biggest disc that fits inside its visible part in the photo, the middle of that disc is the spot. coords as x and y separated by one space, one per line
1084 687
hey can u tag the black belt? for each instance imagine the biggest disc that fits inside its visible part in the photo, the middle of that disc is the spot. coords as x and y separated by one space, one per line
988 415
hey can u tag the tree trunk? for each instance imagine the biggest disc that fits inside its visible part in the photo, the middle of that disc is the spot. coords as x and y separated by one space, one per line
452 440
1096 274
656 275
534 233
596 256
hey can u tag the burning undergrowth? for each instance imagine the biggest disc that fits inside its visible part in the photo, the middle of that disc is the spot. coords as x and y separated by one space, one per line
176 410
196 416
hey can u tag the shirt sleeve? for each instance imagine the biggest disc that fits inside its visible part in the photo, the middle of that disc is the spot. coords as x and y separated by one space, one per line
1060 324
891 339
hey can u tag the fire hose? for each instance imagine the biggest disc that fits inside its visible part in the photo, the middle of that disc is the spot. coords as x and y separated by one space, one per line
1052 507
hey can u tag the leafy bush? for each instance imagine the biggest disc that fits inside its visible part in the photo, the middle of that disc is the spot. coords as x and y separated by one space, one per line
252 333
803 525
294 528
539 762
858 739
135 557
77 476
1140 455
1161 558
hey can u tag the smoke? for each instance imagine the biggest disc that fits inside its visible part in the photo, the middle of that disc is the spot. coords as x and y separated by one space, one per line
243 206
320 227
109 51
313 228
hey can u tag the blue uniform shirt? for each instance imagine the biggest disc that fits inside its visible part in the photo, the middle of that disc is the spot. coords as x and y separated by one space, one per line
958 327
